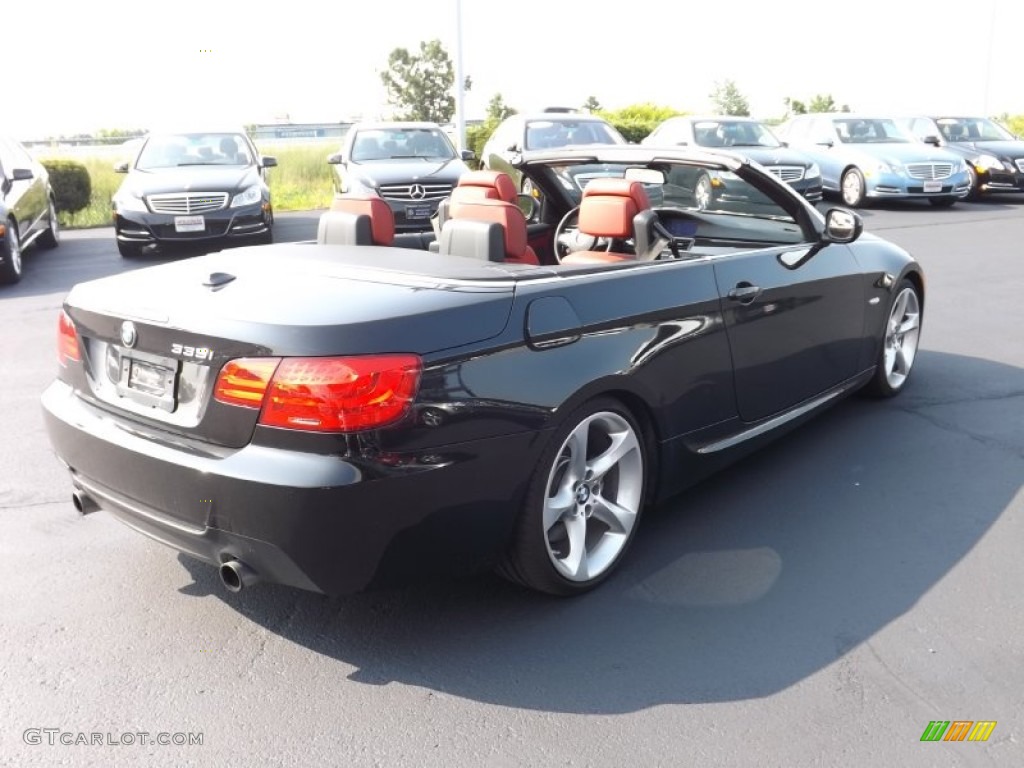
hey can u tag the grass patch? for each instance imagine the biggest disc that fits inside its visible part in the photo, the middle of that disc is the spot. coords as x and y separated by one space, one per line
302 181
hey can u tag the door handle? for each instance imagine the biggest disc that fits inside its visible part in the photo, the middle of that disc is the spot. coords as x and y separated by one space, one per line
744 293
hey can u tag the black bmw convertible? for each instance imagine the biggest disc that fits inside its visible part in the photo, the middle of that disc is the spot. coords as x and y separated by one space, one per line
512 398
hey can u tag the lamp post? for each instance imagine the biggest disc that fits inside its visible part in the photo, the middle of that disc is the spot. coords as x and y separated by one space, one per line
460 80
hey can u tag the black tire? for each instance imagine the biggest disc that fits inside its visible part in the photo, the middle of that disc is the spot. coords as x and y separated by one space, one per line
886 382
943 202
536 545
129 250
51 237
851 188
974 193
10 249
703 191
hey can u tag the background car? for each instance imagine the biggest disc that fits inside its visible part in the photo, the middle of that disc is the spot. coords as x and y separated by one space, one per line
28 208
202 187
544 130
393 413
995 157
868 157
413 166
746 137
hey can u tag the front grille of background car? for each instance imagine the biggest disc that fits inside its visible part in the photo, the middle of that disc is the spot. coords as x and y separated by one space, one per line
1020 164
929 170
403 192
187 202
788 173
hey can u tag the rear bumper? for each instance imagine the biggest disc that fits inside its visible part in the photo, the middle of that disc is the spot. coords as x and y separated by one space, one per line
318 522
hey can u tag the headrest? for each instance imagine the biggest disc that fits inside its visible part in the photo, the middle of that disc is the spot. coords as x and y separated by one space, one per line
622 187
509 216
343 228
607 216
472 239
500 182
381 216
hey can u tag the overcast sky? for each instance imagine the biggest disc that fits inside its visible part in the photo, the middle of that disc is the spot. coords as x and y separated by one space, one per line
82 66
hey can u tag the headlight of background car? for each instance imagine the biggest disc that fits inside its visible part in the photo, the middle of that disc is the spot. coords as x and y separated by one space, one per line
128 200
889 166
357 186
813 171
250 196
987 163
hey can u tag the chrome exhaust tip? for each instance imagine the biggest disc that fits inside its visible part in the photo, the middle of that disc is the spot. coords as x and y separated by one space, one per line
83 502
235 576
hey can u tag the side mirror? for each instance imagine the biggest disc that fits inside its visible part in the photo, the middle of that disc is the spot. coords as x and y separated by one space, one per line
933 140
335 159
121 168
21 174
467 154
268 161
527 204
783 143
512 148
842 226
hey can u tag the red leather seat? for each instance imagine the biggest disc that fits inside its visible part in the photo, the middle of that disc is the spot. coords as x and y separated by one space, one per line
382 219
608 209
512 221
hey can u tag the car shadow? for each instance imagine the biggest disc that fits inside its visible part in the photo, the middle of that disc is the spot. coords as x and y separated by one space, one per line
742 587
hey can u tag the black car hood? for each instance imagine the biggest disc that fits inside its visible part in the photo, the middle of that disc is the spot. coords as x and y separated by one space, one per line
772 155
1012 149
414 169
192 178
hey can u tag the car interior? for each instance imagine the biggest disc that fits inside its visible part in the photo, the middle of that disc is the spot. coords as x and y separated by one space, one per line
615 223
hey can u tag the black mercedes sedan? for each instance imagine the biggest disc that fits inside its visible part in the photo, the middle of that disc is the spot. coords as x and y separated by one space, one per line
374 414
194 188
413 166
995 157
28 208
746 137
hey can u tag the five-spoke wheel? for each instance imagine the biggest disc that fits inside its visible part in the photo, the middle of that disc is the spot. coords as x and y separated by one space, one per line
584 501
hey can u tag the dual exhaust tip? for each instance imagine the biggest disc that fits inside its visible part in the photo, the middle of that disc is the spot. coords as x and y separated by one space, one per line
234 574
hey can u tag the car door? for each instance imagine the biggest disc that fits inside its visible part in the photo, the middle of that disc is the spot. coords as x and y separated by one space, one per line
794 331
824 144
24 198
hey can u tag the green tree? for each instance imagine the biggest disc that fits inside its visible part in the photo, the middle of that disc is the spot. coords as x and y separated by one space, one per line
419 85
497 109
636 121
822 102
728 100
794 106
592 104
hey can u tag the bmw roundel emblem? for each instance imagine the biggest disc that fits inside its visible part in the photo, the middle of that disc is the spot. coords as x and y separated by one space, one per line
128 333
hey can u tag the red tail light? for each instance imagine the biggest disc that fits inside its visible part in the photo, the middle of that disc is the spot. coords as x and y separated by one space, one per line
245 381
67 340
323 394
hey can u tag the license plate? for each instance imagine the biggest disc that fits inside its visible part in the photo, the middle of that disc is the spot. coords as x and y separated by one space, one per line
418 212
933 186
148 380
189 224
152 379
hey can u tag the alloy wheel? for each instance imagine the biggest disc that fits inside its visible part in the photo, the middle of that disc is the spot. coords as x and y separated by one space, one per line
901 337
594 492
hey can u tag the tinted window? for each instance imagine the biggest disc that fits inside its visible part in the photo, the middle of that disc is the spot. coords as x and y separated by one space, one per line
394 143
872 131
176 149
551 134
972 129
732 133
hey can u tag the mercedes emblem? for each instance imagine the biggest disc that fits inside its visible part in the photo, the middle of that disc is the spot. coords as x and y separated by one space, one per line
417 192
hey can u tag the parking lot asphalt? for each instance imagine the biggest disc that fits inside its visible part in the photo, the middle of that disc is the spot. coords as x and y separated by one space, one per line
817 604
